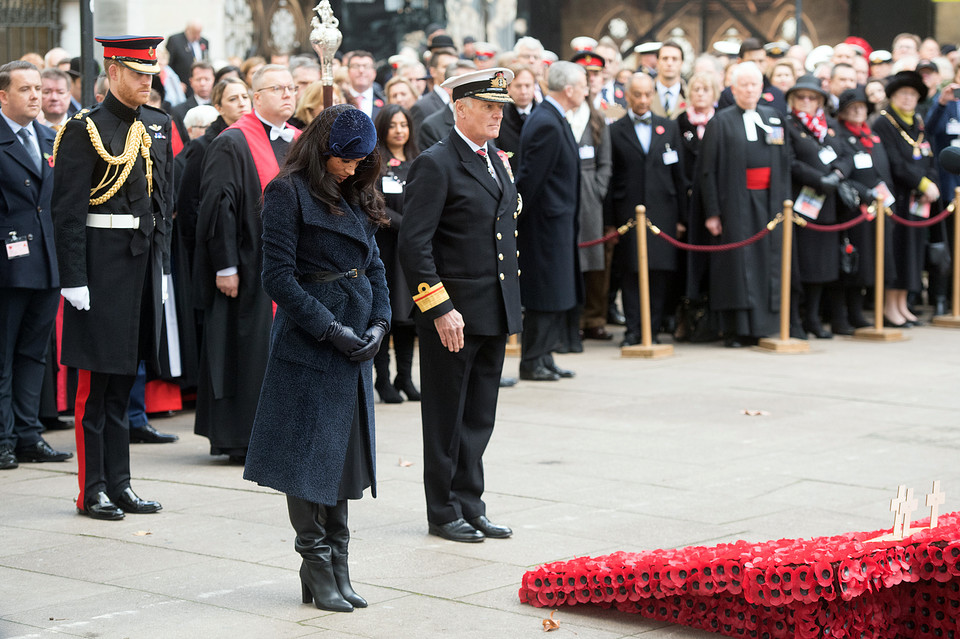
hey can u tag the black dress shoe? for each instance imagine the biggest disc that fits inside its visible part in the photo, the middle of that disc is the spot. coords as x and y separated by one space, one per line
916 322
147 434
56 423
100 507
599 333
817 330
890 324
8 459
457 530
41 452
507 382
490 529
562 372
130 503
841 329
539 374
630 339
615 316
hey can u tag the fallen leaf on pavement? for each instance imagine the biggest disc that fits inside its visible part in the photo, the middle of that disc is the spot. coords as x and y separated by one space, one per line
754 413
550 624
142 533
403 463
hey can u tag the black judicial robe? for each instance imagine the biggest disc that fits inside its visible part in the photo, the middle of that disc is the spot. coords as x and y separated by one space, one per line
746 280
236 335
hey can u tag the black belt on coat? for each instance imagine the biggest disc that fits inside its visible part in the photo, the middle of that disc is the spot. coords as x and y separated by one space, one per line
329 276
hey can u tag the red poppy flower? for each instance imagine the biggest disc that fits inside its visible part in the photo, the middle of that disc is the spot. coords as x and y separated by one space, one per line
378 103
393 162
659 130
767 96
823 573
50 161
618 93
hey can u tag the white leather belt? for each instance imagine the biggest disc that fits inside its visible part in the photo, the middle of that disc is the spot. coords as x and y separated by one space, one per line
111 221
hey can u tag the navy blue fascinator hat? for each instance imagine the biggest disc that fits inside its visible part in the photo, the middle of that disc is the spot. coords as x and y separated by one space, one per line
352 135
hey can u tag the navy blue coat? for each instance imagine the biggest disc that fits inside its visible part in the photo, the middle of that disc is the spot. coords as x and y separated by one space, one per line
25 208
549 182
302 428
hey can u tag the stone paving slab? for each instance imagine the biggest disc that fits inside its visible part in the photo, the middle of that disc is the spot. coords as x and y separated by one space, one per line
629 455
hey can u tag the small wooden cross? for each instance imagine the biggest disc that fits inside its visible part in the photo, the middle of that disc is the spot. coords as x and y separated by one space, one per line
902 506
934 500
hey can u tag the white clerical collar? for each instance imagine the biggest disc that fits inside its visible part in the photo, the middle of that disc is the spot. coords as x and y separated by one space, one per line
268 123
439 90
473 145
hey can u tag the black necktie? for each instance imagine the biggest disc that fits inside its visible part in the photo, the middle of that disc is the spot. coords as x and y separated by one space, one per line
523 118
25 136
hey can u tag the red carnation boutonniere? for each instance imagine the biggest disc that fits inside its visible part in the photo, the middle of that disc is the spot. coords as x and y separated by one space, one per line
393 162
506 163
49 159
767 96
618 93
378 103
659 129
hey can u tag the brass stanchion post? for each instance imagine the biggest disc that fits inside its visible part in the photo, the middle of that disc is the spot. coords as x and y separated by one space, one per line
646 348
785 344
953 320
877 332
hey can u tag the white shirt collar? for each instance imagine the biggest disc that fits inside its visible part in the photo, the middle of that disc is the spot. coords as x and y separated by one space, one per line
439 90
556 105
673 89
270 124
14 126
473 146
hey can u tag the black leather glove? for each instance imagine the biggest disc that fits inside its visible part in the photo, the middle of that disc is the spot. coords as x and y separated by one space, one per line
829 183
849 196
373 338
343 339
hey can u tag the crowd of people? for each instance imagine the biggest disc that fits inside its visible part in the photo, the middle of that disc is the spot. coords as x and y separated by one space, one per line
215 224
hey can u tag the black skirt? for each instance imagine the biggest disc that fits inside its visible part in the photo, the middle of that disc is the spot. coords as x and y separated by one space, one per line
357 467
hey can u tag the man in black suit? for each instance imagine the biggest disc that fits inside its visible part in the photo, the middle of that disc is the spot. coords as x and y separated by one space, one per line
113 248
458 250
437 97
515 114
438 124
201 88
549 182
367 93
28 270
648 170
186 48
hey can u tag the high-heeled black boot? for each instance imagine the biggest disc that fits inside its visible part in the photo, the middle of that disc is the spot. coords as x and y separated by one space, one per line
403 337
854 295
338 535
811 314
317 581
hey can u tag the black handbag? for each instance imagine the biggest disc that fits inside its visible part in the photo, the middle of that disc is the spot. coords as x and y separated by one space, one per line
849 257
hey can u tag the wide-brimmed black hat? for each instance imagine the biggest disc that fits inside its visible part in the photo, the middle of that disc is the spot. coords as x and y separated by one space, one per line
442 41
906 79
852 96
808 83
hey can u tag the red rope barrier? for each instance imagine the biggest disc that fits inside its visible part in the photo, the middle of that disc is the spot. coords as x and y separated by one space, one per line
827 228
712 248
942 215
600 240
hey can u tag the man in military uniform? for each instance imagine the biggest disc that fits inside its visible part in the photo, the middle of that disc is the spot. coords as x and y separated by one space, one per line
111 211
458 250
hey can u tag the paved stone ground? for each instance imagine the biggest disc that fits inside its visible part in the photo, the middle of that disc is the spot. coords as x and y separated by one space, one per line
630 455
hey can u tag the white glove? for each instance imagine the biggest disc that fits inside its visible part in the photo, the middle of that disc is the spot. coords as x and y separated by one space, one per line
78 296
164 293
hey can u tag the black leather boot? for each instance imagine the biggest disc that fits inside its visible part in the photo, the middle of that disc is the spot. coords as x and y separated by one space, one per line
403 337
338 535
838 310
317 582
811 314
854 295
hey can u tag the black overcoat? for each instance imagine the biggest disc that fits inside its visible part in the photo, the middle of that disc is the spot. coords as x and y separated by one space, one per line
401 304
302 428
748 277
549 183
460 230
645 178
863 236
818 252
909 243
114 263
509 138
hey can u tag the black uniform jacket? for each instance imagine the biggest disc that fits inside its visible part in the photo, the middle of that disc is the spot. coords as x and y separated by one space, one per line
458 242
113 263
25 210
654 179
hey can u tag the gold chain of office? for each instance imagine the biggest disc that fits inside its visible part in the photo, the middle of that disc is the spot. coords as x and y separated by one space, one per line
118 166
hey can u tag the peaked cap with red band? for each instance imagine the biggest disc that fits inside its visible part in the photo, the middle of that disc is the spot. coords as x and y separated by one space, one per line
589 60
137 53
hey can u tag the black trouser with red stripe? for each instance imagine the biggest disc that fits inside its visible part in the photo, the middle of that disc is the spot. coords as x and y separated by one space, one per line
103 433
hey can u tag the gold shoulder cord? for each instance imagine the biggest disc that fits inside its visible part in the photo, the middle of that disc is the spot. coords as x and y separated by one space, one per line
138 142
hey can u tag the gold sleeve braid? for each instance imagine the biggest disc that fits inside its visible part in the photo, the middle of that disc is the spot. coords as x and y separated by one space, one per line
137 142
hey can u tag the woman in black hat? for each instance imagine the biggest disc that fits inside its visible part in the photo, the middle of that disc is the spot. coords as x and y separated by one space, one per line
901 130
872 178
818 166
313 435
